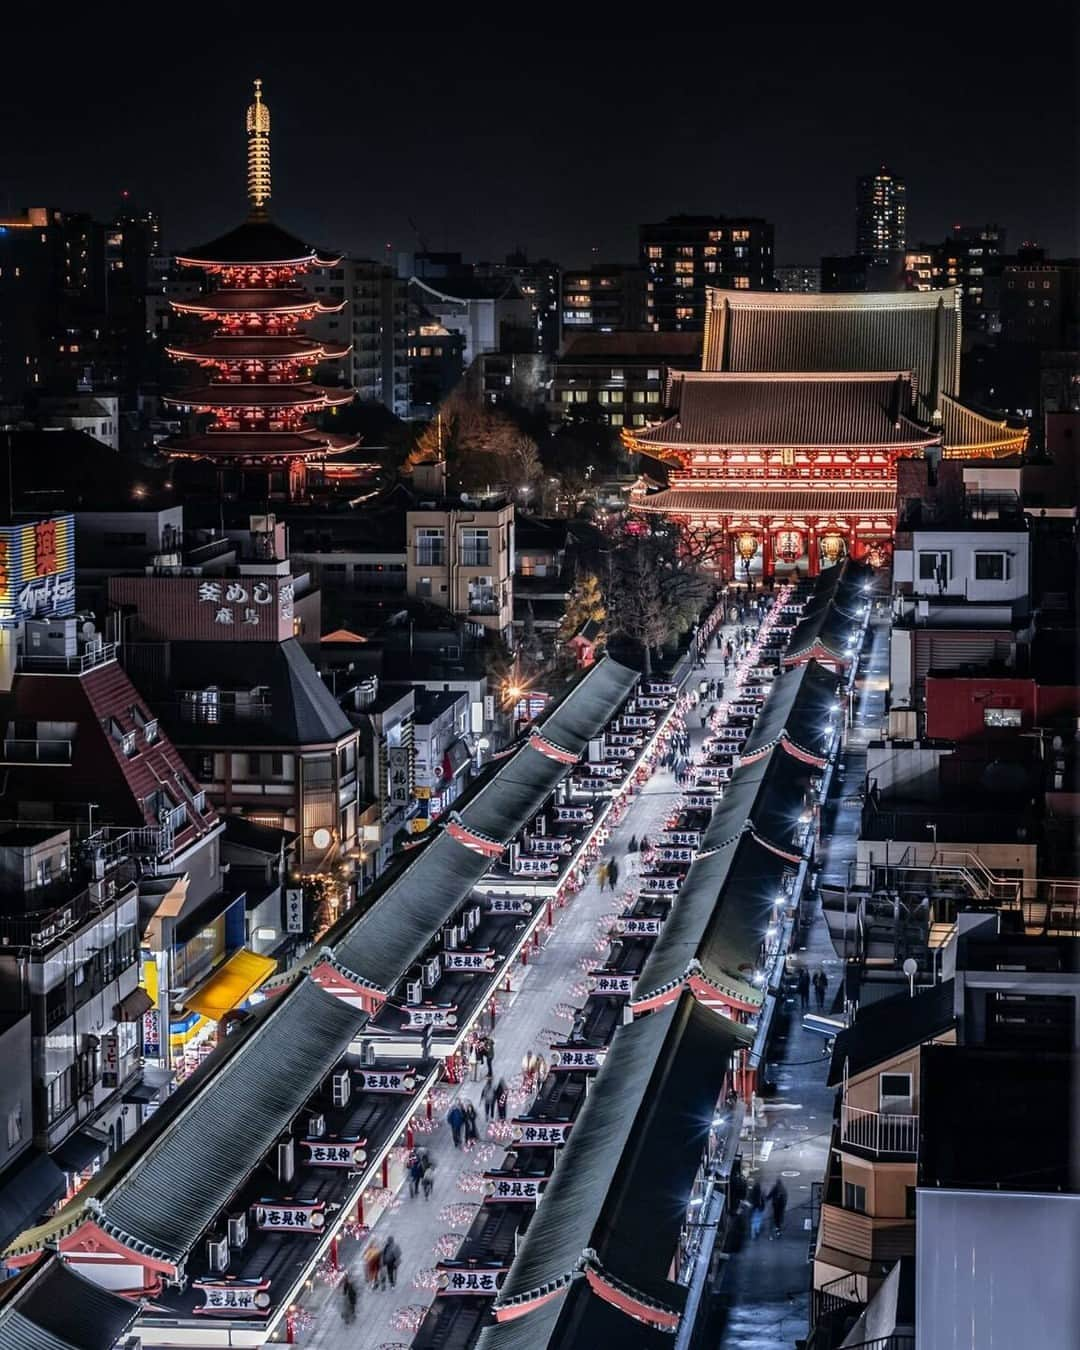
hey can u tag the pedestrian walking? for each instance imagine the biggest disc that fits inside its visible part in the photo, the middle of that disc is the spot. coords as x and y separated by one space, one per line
778 1197
756 1197
632 845
601 875
704 719
487 1097
372 1264
502 1097
821 985
613 873
455 1118
469 1112
646 847
348 1293
489 1052
528 1068
391 1256
416 1172
429 1175
804 988
474 1059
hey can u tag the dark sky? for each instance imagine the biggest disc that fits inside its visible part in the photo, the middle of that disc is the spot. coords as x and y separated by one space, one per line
563 145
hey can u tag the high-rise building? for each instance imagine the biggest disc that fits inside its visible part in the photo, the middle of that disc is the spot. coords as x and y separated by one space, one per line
798 279
683 255
603 298
880 214
375 320
258 392
971 257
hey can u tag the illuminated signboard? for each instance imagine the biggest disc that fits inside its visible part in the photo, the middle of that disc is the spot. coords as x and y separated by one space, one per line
37 569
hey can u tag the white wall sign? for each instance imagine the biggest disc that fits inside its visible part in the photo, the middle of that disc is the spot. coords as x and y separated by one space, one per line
508 904
234 1298
476 963
294 910
675 855
432 1017
689 837
539 1133
660 885
297 1218
398 774
335 1153
511 1190
618 986
566 1059
535 867
550 845
582 814
396 1080
469 1281
645 723
632 927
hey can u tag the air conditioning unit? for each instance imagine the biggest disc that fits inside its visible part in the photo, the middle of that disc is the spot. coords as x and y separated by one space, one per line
450 936
238 1230
316 1126
217 1254
414 991
342 1087
286 1160
432 971
367 1053
472 918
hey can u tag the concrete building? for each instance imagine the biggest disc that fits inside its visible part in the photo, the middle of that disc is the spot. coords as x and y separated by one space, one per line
490 313
98 415
685 255
604 298
461 557
375 322
798 278
880 214
618 379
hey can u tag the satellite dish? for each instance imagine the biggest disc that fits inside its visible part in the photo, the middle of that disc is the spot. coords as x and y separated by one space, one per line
88 630
322 838
1057 743
911 969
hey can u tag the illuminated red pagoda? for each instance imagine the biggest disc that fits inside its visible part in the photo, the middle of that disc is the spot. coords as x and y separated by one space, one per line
257 362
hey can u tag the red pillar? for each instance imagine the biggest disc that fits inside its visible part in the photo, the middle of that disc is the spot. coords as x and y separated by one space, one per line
360 1208
334 1254
386 1173
767 552
813 550
290 1327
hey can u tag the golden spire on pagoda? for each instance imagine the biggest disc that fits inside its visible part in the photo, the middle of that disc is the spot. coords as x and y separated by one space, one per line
258 134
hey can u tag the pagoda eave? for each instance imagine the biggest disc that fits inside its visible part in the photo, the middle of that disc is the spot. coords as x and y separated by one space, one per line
259 447
267 347
220 304
296 396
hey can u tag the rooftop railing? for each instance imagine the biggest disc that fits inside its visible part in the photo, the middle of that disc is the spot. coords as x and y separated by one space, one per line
879 1132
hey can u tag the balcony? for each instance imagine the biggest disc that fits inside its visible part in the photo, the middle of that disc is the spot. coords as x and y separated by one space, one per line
24 750
878 1133
862 1235
68 665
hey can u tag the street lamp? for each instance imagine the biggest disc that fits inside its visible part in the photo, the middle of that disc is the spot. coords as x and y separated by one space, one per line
932 827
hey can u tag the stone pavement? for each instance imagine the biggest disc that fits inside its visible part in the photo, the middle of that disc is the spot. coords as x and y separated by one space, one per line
528 1023
763 1299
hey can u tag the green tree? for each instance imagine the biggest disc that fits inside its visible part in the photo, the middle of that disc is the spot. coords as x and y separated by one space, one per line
586 603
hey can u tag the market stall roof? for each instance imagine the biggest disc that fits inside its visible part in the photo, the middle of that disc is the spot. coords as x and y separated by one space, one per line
718 924
52 1307
577 1321
610 1215
379 947
796 714
159 1194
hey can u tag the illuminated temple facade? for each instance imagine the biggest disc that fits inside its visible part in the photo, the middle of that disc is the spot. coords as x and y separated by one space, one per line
254 391
781 451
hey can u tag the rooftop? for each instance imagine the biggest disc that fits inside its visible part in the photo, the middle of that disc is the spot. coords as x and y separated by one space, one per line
258 240
888 1028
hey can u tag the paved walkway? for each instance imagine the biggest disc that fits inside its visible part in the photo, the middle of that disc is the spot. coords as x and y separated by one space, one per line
763 1299
389 1316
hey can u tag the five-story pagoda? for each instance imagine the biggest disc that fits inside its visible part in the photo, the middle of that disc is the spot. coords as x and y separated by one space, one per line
257 363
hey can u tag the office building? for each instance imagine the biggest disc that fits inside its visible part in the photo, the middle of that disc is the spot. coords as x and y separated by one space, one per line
603 298
684 255
880 214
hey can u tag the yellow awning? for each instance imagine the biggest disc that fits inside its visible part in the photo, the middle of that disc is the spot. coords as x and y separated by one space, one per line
231 984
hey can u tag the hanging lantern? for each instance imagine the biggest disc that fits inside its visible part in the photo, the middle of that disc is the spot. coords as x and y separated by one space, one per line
746 544
832 547
789 545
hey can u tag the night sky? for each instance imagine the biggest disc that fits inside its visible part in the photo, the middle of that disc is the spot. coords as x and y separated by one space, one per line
563 146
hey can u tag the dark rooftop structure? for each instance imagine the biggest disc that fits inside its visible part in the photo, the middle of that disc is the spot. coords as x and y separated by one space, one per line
52 1307
882 1030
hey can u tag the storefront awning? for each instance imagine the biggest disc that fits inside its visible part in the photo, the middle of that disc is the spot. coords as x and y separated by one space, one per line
131 1008
231 984
80 1149
27 1191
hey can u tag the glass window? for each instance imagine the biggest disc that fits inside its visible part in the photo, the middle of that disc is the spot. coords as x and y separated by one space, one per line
934 567
430 546
475 548
615 420
653 374
1001 717
742 283
991 567
854 1197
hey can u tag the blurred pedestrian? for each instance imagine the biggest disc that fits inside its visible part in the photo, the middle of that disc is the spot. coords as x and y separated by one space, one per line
804 988
372 1264
416 1172
487 1097
348 1292
428 1179
489 1051
455 1118
502 1097
469 1112
391 1255
821 986
756 1197
613 873
778 1197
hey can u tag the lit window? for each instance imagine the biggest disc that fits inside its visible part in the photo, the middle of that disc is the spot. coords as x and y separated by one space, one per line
710 266
653 373
683 267
652 396
740 236
684 312
716 235
615 419
684 281
742 283
654 251
686 251
1001 717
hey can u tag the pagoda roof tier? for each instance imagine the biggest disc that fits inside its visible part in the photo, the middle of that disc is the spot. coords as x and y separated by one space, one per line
260 445
232 300
257 242
769 501
260 396
270 347
792 411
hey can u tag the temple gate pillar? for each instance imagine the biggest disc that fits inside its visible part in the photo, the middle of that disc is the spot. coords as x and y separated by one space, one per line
813 550
767 551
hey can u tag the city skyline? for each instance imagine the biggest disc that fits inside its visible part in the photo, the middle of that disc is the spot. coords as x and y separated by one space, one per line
344 162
